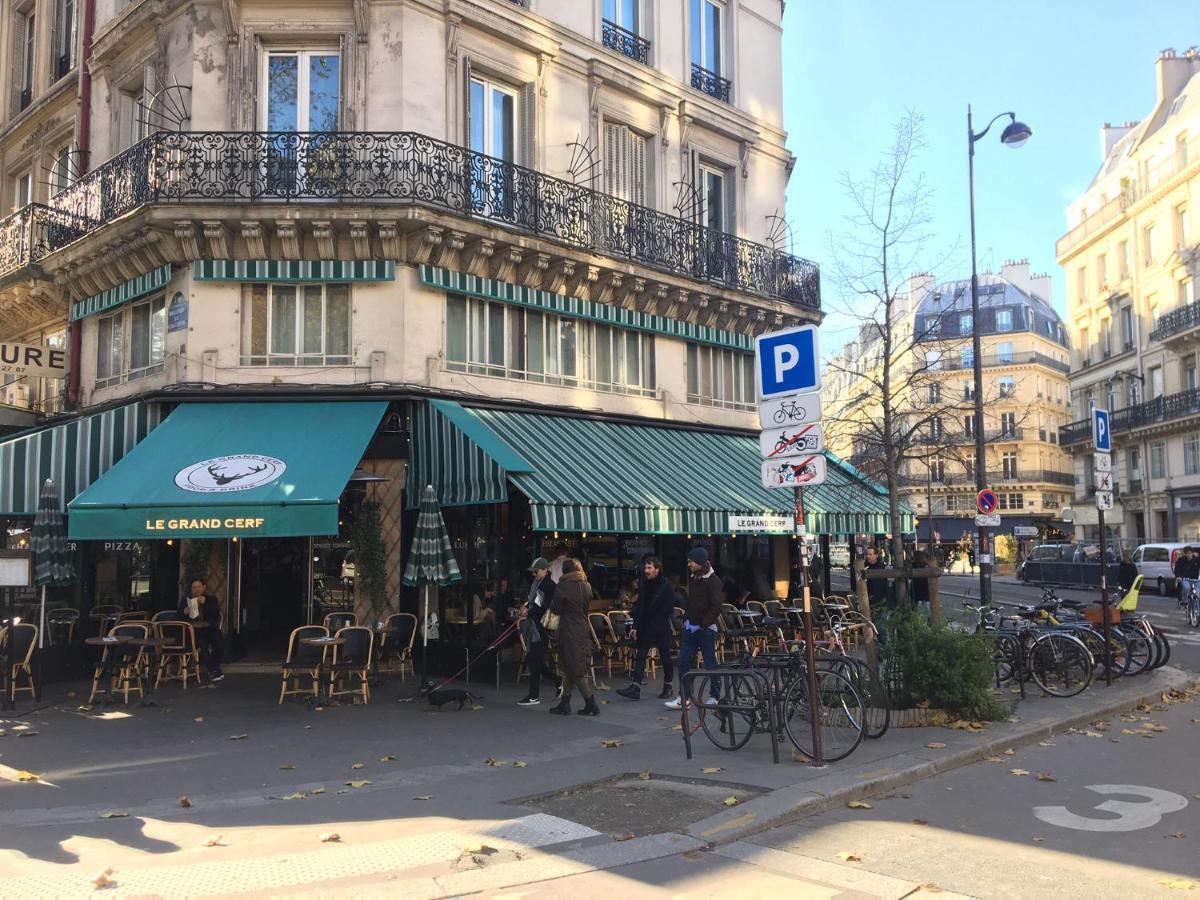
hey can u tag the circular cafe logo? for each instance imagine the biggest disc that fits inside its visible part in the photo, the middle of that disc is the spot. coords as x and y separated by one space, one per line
230 473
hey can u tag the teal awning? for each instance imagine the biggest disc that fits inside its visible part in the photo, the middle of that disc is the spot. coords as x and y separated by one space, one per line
216 470
74 453
599 476
299 270
146 283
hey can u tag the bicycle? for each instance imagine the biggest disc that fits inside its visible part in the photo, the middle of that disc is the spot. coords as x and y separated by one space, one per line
1058 662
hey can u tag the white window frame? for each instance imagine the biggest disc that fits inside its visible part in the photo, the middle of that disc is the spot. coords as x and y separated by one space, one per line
633 27
703 171
303 84
120 344
297 358
490 87
731 385
27 21
622 146
705 39
1004 320
1191 454
1004 353
60 171
63 38
22 190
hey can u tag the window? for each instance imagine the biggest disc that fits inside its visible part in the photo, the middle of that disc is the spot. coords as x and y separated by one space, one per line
1007 386
1186 292
1152 306
624 164
1008 424
63 39
1105 338
965 322
507 341
937 469
968 390
1181 225
1135 464
133 116
1181 144
22 190
302 90
60 171
1012 501
935 392
27 35
1191 454
933 360
1004 320
1127 328
967 356
623 13
1158 459
1123 259
1049 501
296 325
1004 353
1009 465
131 342
1156 382
1148 245
969 425
718 377
1189 372
936 429
707 44
712 198
1085 349
1101 273
1081 282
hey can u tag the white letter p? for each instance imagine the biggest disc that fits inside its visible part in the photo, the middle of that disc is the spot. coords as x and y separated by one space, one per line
786 358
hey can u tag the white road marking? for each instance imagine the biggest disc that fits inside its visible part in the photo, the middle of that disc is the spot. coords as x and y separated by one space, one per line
1129 816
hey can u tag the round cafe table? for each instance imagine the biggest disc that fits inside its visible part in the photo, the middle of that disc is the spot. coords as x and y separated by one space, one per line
151 645
107 694
323 697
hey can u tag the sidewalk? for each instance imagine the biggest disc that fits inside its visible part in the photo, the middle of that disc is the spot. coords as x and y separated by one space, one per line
425 803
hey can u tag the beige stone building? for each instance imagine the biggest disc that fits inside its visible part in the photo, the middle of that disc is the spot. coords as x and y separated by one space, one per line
1025 362
1131 257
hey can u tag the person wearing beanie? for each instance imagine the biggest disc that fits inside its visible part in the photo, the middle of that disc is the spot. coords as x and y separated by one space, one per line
702 611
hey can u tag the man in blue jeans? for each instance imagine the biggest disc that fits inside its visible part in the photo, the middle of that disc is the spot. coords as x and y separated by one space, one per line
702 612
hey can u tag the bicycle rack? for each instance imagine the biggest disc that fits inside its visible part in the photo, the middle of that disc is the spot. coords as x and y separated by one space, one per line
761 688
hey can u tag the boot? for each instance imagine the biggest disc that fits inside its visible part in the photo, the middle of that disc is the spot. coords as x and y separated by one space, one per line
589 707
563 708
666 693
633 692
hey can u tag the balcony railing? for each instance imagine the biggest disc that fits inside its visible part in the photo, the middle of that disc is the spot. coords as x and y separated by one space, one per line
62 65
409 168
1159 411
1177 321
954 364
711 83
964 479
625 42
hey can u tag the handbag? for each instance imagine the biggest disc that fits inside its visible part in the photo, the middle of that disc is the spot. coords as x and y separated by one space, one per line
550 621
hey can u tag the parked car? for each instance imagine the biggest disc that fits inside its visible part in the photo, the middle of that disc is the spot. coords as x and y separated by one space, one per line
1157 563
1045 553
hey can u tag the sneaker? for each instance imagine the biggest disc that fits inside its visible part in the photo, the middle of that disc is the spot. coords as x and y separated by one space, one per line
529 701
677 703
219 676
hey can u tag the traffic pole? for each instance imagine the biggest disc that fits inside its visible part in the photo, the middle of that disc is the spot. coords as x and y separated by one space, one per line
810 656
1104 604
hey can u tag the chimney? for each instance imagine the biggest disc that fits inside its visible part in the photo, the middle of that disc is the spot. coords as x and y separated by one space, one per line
1110 134
1174 72
1016 271
1043 286
919 284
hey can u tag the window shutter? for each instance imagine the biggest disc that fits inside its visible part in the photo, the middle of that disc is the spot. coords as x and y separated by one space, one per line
637 169
613 180
466 101
527 139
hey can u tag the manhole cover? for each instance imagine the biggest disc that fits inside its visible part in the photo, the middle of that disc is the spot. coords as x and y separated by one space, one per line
628 804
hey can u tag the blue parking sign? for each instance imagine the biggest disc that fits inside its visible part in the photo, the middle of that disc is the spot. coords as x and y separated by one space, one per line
1101 435
787 362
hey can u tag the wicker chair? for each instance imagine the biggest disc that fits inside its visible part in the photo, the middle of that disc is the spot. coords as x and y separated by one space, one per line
179 656
122 666
398 637
24 637
303 662
352 660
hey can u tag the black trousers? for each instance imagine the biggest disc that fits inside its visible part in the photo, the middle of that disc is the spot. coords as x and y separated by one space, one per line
646 642
535 662
212 647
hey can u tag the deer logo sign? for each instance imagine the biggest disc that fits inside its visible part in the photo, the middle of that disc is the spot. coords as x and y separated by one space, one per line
230 473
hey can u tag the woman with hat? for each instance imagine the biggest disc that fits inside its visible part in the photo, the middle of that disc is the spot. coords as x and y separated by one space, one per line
541 593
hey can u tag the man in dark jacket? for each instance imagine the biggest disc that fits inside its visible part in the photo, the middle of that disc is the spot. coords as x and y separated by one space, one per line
877 588
703 610
537 640
651 626
203 611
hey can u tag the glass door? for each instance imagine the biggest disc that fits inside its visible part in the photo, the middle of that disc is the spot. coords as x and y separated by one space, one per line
300 110
493 136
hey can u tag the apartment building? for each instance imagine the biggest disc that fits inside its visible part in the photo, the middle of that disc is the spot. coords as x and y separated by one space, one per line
1131 259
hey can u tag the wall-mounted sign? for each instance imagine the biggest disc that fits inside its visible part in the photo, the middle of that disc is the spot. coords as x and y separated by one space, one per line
762 524
32 359
166 527
224 474
177 313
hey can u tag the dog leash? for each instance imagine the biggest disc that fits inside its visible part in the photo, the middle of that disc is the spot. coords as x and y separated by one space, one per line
504 634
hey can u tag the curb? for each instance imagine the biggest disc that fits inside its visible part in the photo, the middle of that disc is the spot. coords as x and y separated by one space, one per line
800 800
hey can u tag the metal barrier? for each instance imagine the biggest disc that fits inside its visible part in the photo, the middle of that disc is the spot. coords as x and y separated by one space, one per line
741 692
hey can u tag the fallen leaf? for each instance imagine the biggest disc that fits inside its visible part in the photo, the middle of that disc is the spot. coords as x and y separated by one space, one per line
406 700
298 795
1178 884
474 707
27 776
102 879
388 758
238 737
1047 744
494 763
1019 771
993 759
27 734
799 757
644 775
214 841
850 857
677 728
330 837
358 766
520 764
481 850
730 801
694 854
612 743
1178 834
920 822
114 814
1157 727
342 791
185 801
627 836
287 767
198 719
1093 734
1045 776
712 770
1039 840
319 790
1010 752
859 804
424 797
936 745
357 784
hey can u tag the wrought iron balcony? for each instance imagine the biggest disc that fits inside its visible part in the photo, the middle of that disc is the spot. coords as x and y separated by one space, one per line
711 83
1159 411
625 42
994 360
1176 322
409 168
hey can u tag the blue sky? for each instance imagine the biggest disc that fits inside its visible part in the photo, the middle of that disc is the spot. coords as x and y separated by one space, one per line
852 68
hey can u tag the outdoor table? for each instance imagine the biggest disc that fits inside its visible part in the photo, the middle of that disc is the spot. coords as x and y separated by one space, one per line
107 696
323 697
151 645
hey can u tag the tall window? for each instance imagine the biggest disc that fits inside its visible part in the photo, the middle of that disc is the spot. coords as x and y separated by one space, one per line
1186 292
1123 260
712 198
624 163
1156 382
1101 272
720 377
60 171
1148 247
1189 372
1158 459
1004 353
64 38
937 469
1004 320
967 357
22 190
1007 386
27 35
965 322
302 90
1127 328
1009 465
969 425
1081 282
131 342
935 392
707 45
1008 424
1181 225
623 13
1191 454
933 360
296 325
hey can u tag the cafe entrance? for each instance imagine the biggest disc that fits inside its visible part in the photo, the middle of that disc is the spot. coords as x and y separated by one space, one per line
269 596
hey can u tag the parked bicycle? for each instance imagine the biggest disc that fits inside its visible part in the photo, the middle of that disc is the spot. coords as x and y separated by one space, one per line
1057 661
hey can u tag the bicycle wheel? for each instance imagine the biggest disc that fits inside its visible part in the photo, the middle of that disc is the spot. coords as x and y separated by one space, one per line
727 729
1004 655
1164 647
1060 664
1094 641
840 716
877 704
1193 611
1142 651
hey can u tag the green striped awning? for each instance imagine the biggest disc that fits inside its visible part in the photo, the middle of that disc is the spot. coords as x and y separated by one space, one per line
591 475
446 457
146 283
505 292
294 270
74 454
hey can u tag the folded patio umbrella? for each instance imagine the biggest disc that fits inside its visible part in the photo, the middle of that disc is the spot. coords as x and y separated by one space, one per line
53 561
431 562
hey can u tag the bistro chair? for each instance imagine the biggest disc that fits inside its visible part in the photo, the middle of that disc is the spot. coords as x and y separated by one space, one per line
165 615
179 656
60 625
336 621
24 637
605 640
120 665
619 622
136 615
400 632
352 660
303 662
734 635
105 616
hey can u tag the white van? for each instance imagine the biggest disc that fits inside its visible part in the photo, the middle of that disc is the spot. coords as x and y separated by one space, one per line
1157 563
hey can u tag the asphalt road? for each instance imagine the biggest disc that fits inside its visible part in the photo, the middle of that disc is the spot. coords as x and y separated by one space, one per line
1103 812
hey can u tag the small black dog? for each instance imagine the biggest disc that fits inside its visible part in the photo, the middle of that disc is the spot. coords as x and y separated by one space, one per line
441 696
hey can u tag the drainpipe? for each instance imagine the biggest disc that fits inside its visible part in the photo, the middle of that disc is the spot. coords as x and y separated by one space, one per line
74 329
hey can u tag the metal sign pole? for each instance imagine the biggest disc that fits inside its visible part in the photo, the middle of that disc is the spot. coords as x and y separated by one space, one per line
1104 604
810 656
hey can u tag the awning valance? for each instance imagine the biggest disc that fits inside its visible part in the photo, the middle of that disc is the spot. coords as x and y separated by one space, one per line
600 476
74 453
217 470
146 283
301 270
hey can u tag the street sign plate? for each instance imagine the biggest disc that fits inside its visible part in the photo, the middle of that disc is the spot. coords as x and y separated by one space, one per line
797 409
987 501
987 520
762 524
1024 531
784 443
1104 500
1101 436
787 362
1103 462
805 471
1104 482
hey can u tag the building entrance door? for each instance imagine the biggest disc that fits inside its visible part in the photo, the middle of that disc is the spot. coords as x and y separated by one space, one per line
273 595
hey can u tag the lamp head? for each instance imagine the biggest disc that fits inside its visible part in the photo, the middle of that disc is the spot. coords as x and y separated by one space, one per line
1016 134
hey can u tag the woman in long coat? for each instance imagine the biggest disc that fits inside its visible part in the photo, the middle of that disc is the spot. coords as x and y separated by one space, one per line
571 599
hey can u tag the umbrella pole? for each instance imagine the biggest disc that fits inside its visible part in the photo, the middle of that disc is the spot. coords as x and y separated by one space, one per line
425 638
41 648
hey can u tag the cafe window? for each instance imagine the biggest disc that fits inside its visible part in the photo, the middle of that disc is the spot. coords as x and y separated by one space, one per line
720 377
296 325
131 342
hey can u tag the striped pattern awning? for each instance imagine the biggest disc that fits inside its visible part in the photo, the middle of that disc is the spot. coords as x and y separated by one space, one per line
311 270
74 454
591 475
146 283
505 292
442 455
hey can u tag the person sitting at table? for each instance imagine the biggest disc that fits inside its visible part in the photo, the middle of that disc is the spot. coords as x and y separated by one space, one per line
203 610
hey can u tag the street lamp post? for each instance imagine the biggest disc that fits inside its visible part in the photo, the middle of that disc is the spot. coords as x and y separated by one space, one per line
1014 135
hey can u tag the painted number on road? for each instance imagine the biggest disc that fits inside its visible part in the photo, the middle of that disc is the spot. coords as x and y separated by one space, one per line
1124 815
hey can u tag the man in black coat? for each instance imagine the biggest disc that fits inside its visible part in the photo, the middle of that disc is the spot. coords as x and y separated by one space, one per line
652 626
203 611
